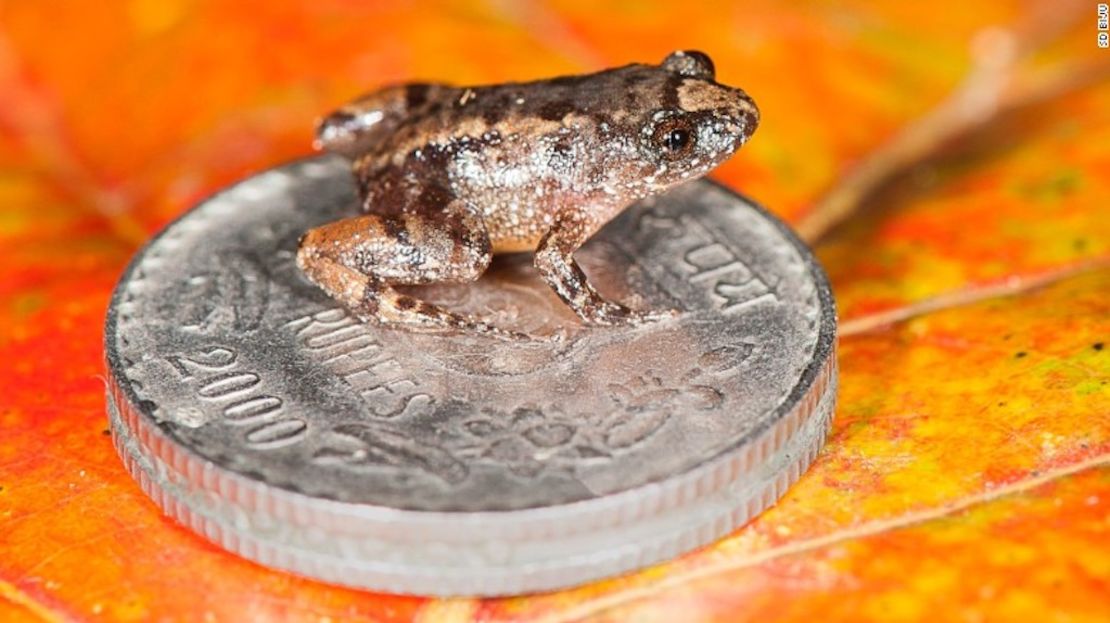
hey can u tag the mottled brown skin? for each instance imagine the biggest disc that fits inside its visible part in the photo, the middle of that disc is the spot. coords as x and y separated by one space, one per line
448 176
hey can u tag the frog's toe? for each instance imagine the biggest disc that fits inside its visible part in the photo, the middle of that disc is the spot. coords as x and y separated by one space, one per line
611 314
469 326
509 335
657 315
638 317
605 314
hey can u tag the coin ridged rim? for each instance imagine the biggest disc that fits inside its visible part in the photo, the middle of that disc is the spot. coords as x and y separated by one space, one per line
718 519
172 470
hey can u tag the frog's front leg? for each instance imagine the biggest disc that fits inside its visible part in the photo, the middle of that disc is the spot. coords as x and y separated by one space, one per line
358 260
554 259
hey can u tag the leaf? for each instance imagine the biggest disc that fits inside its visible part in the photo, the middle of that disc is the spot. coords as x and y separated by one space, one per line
966 474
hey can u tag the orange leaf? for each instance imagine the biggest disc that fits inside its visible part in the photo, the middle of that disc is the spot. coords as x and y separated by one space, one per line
966 476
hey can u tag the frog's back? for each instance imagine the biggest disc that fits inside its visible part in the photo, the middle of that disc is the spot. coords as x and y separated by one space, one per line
400 119
520 150
600 95
371 122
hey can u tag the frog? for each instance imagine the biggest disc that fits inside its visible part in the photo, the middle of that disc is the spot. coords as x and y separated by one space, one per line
449 176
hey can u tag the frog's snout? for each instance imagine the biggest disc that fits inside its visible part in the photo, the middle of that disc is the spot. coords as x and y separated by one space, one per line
733 112
744 116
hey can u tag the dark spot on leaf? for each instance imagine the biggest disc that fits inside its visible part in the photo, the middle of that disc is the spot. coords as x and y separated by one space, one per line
106 432
1097 345
1020 354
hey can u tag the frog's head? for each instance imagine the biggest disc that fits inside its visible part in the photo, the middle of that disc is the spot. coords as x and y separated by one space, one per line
700 124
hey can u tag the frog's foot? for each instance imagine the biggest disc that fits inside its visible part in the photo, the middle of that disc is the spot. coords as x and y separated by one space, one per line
555 262
610 314
358 260
381 303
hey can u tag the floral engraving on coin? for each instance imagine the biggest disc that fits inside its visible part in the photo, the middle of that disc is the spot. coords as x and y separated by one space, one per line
528 440
531 439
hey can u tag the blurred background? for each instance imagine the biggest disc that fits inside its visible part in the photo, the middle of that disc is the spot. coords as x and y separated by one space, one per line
949 161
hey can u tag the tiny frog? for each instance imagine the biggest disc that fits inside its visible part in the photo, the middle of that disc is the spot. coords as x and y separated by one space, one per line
448 176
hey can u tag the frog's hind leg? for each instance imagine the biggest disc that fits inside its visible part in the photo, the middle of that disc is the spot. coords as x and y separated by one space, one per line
358 260
357 126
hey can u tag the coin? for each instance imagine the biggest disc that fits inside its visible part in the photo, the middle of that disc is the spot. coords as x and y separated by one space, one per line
260 414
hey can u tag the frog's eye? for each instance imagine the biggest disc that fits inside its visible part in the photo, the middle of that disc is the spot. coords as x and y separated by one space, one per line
673 137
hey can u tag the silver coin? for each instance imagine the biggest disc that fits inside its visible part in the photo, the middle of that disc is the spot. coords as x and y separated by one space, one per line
260 414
